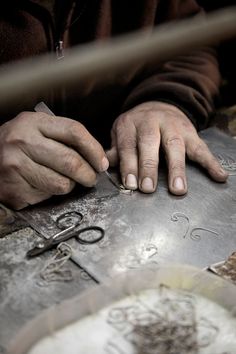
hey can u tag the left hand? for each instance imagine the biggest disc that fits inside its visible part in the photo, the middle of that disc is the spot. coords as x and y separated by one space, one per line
136 138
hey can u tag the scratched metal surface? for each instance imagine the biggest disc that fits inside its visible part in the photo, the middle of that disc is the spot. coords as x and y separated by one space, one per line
197 229
140 229
23 293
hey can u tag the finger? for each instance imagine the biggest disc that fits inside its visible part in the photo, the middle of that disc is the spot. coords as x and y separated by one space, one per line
148 147
18 194
40 177
112 156
199 152
112 153
74 134
46 180
61 159
127 150
174 147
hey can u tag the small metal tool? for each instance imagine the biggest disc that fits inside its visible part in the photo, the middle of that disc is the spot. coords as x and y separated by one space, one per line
113 181
64 235
42 107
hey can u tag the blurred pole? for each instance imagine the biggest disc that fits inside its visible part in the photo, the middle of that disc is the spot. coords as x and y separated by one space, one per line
104 61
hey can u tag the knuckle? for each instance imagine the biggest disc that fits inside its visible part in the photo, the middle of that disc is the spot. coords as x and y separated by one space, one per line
77 130
17 131
149 164
127 144
196 151
25 119
72 165
23 116
63 186
174 140
120 129
42 115
124 118
41 119
123 122
151 114
8 163
126 134
12 138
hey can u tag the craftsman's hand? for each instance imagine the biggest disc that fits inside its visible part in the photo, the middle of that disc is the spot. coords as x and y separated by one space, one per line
41 156
136 138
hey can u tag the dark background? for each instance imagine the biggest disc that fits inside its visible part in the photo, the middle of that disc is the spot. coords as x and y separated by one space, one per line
227 56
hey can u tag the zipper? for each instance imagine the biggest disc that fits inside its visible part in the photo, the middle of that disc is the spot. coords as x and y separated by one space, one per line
55 31
62 23
60 50
67 23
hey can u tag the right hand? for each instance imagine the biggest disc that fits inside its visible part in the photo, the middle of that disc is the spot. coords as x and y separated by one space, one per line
41 156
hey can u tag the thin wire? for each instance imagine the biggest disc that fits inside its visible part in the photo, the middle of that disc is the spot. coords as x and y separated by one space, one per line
228 163
54 269
168 327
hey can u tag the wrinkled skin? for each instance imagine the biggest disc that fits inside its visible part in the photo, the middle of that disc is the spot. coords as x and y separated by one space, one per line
41 156
136 139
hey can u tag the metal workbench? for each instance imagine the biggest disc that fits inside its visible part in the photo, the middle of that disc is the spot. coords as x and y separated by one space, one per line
151 229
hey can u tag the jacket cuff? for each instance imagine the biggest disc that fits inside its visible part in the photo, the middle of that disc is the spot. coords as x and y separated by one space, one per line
195 106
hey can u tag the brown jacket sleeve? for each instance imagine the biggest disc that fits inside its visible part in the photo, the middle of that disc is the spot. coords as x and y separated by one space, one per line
190 82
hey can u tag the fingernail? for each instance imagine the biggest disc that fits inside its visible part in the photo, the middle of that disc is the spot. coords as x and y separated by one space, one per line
131 181
147 184
105 164
178 184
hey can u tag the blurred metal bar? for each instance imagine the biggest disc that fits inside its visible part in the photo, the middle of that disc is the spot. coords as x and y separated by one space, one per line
105 60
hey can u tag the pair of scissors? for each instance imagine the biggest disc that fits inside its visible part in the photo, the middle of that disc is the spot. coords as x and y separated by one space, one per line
67 233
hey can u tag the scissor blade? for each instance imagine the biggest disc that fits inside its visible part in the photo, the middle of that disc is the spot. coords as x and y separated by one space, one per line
45 245
36 251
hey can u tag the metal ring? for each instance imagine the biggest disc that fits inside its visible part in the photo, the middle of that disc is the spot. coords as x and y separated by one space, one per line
95 240
59 220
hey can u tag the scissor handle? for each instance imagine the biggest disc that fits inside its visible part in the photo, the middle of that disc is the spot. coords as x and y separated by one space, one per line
71 214
84 241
